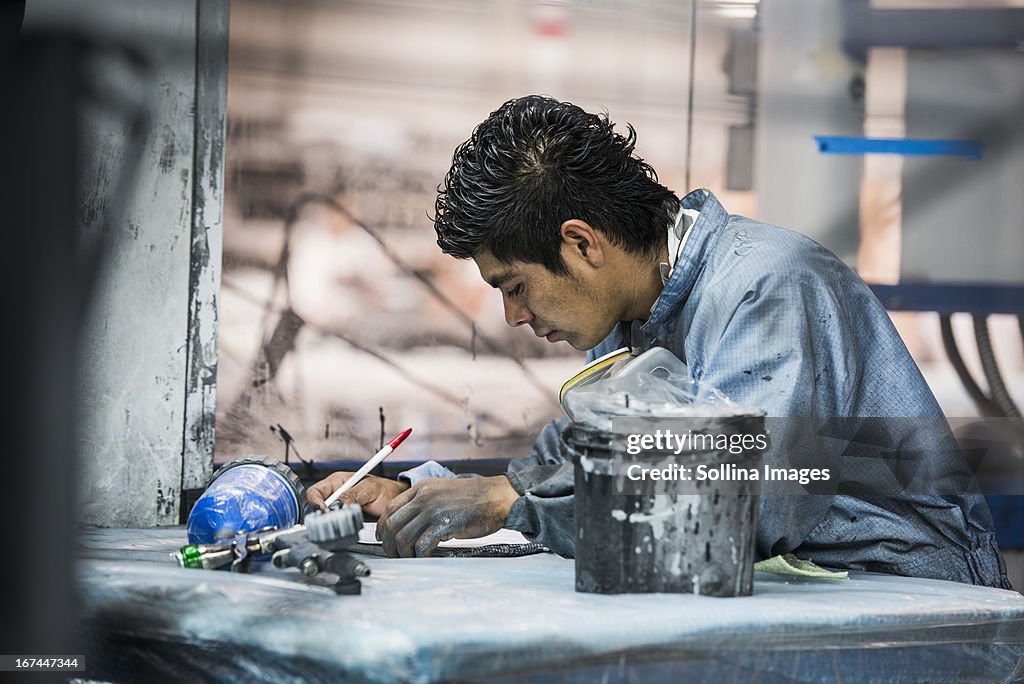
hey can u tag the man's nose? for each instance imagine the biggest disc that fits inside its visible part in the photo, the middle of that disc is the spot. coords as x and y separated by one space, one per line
516 313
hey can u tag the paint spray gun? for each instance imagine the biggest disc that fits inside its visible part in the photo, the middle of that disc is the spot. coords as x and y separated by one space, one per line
314 547
252 508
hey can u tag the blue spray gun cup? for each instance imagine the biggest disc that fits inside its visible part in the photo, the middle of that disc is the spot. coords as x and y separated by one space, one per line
246 495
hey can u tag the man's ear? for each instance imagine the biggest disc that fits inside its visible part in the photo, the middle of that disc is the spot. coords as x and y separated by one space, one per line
581 240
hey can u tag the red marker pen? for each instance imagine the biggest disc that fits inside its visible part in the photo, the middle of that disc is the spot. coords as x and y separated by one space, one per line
367 467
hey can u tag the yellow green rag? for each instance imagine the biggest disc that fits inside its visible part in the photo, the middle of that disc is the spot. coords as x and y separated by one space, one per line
788 564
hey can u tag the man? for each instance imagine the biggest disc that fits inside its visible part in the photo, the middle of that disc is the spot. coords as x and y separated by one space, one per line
588 248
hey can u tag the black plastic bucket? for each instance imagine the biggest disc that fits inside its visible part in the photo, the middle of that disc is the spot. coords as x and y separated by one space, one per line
673 537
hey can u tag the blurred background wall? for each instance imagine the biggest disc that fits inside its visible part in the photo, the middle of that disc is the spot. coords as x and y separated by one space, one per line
342 116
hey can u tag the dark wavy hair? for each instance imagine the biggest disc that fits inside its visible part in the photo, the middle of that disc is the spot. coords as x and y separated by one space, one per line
536 162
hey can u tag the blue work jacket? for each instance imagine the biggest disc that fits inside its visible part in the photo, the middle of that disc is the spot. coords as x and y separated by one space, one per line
777 322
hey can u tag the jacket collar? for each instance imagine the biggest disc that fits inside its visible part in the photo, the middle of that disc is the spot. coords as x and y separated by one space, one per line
690 264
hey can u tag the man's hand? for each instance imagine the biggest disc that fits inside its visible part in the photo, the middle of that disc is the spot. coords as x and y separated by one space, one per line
372 493
440 509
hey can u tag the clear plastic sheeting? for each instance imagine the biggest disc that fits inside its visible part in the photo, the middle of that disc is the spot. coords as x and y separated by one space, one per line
656 383
515 619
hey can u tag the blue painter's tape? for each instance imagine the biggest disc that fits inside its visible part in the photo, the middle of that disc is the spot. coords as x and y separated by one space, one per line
1008 515
910 147
950 298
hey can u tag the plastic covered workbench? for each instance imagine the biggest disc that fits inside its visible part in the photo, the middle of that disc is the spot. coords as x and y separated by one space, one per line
520 619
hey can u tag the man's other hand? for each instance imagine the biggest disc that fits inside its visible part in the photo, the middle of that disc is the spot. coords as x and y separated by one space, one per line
440 509
372 493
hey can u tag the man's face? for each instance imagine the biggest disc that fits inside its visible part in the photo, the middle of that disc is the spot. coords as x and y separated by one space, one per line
573 308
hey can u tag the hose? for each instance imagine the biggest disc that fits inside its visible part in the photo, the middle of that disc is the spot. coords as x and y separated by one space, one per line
1000 396
986 407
